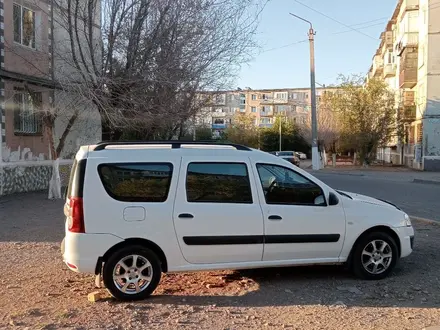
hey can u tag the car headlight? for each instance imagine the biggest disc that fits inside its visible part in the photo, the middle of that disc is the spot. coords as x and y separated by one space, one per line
407 220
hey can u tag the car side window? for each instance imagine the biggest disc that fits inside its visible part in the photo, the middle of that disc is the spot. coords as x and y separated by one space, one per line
282 185
137 182
218 183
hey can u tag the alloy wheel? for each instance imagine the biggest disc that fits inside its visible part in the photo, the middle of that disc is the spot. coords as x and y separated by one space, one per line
376 257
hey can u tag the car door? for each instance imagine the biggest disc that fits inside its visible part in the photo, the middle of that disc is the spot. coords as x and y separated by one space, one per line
298 222
217 214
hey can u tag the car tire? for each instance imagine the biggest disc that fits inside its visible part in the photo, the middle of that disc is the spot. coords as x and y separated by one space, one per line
128 266
375 256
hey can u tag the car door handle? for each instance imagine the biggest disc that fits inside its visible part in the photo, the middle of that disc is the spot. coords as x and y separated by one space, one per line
275 217
186 216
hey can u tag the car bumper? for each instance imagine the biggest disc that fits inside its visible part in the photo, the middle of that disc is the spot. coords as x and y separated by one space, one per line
81 251
406 236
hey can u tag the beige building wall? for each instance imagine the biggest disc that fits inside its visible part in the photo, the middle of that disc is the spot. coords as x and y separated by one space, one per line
263 105
416 46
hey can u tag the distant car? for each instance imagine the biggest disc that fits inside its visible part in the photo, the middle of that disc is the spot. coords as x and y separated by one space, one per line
290 156
301 155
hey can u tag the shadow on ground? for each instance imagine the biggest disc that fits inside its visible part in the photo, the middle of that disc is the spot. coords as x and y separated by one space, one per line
322 285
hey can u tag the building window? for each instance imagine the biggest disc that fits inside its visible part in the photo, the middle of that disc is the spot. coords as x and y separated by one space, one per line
24 26
254 97
137 182
281 96
253 109
27 120
242 99
218 183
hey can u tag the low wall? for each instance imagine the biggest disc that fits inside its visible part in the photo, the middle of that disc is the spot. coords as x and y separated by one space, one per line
431 163
30 176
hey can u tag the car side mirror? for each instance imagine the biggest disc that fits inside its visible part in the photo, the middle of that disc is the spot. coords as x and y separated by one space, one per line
333 199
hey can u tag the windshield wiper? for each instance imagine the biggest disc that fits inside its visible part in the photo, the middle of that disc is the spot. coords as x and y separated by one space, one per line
344 194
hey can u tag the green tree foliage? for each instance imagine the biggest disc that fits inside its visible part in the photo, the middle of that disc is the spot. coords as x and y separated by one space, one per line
243 131
291 137
366 114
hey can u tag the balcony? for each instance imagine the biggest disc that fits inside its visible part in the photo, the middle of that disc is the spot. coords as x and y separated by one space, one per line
408 98
218 114
408 78
407 40
387 37
389 70
272 101
409 68
266 100
410 5
377 66
266 113
407 113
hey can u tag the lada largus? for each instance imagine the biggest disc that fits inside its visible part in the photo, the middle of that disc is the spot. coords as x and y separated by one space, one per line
135 210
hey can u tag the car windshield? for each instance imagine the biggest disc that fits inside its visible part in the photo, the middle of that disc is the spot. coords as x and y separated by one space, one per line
285 153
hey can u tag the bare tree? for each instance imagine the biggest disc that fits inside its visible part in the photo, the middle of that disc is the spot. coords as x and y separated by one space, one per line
145 64
329 128
142 63
58 118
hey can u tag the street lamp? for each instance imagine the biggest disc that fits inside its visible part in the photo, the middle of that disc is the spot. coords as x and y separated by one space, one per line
316 164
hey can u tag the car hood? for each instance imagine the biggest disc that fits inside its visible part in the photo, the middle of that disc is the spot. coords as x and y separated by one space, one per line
369 200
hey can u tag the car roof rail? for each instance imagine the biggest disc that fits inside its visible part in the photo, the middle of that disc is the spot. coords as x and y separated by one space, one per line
175 144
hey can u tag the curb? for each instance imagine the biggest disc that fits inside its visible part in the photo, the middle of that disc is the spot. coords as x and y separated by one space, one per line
335 173
428 221
426 181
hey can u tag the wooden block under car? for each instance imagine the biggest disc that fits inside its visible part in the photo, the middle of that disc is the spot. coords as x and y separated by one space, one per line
95 296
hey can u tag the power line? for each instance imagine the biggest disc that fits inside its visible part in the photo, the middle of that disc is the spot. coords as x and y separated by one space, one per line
335 33
370 21
364 27
285 46
335 20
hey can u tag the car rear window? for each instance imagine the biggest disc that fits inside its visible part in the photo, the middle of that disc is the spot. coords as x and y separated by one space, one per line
137 182
76 179
285 153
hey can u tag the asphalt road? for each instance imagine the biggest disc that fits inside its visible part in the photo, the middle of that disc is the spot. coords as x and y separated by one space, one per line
417 199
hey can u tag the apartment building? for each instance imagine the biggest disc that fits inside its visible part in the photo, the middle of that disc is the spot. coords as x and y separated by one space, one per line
28 38
408 60
263 106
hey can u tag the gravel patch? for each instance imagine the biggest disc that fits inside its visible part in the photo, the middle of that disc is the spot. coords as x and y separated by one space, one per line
37 291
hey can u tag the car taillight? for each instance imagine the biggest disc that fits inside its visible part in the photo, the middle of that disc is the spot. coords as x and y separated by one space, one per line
76 215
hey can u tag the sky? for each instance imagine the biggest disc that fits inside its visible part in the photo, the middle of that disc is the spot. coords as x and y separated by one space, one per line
338 49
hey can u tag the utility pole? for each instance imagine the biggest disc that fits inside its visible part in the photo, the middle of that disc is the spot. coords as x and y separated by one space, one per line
316 163
280 128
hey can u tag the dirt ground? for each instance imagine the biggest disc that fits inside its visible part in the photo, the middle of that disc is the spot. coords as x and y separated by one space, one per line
37 291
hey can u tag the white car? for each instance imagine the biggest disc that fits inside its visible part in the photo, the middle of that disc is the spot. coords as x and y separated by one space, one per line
301 155
135 210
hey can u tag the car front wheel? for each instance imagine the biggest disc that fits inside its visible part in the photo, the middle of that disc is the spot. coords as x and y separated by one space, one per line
375 256
132 273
